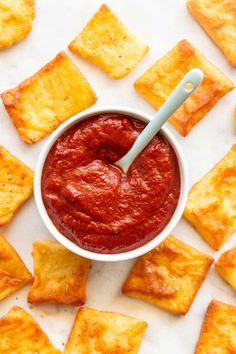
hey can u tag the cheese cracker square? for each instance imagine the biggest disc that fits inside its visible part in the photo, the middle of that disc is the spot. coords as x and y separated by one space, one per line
218 330
16 185
16 17
211 205
13 273
60 276
169 276
107 43
104 332
226 266
157 83
218 19
20 334
42 102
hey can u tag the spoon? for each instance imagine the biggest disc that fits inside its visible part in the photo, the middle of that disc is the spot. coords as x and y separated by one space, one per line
183 90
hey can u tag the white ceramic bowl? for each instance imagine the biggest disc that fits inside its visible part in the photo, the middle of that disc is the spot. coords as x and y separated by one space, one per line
118 256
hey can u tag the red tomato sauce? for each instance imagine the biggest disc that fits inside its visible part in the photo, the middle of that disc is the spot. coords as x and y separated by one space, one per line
96 205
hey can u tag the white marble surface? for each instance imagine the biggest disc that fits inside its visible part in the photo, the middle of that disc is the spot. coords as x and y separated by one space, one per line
160 24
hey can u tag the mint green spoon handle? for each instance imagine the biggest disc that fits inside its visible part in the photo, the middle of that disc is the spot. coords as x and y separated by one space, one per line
183 90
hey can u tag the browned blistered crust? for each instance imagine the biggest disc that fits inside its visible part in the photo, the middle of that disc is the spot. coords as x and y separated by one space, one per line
107 43
211 205
218 329
16 21
226 266
42 102
16 185
60 275
20 333
218 19
168 276
105 332
156 84
13 273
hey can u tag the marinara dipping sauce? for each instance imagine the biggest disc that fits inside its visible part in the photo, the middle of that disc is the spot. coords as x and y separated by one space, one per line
94 203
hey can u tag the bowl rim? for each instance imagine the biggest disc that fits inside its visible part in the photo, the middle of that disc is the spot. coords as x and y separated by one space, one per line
117 256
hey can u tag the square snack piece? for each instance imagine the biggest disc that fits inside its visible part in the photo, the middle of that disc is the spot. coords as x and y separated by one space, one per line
20 334
42 102
107 43
16 185
211 205
169 276
226 266
218 19
156 84
16 17
102 332
60 275
218 330
13 273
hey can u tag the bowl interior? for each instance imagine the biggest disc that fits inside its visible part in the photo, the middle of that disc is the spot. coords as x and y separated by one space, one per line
118 256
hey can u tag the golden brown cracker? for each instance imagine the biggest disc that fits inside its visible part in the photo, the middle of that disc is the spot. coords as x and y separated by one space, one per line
16 185
16 18
104 332
157 83
107 43
211 205
218 19
168 276
42 102
218 330
60 275
13 273
20 334
226 266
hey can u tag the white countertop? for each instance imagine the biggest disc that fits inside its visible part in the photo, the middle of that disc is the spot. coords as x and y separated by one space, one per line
161 24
